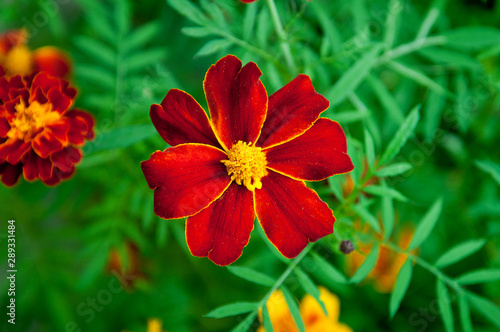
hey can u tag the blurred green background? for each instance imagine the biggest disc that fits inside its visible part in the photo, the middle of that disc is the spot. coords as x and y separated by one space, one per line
95 237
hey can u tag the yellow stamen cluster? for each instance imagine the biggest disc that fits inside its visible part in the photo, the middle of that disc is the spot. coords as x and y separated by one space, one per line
246 165
30 119
18 61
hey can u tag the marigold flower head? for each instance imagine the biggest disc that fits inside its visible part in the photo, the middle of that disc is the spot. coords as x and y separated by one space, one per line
40 133
17 59
125 265
313 316
250 158
386 270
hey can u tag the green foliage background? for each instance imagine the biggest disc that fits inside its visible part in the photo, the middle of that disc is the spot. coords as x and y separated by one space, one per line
421 76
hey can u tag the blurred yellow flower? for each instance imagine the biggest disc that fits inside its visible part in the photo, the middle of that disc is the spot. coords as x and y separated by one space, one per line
313 316
386 270
155 325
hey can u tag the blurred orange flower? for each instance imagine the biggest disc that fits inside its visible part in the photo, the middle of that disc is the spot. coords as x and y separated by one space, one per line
388 264
17 59
127 269
313 316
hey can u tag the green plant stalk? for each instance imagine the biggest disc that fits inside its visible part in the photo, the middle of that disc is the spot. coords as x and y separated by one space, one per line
285 46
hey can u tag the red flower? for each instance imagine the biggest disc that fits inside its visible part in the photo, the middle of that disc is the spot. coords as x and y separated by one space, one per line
17 59
40 135
250 158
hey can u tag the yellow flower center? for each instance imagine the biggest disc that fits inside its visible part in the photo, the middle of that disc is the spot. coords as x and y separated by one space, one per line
18 61
29 119
246 165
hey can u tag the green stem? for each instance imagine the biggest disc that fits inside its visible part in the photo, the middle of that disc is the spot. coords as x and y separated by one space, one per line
285 46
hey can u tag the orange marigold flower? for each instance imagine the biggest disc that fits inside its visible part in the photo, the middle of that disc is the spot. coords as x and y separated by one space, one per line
385 272
128 268
313 316
251 157
17 59
40 135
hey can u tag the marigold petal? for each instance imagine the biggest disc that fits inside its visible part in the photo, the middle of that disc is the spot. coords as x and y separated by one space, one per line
12 38
81 126
222 230
292 110
30 169
9 174
180 119
51 60
186 178
46 143
17 150
289 225
4 126
66 158
237 100
315 155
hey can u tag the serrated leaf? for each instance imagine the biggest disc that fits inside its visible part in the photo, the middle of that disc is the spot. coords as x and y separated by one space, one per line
463 307
294 309
479 276
369 149
95 48
353 77
266 320
142 35
140 60
197 32
472 37
385 192
328 270
123 137
309 287
232 309
459 252
427 224
368 217
486 308
444 305
367 266
213 46
188 9
402 283
96 75
393 170
251 275
403 134
489 167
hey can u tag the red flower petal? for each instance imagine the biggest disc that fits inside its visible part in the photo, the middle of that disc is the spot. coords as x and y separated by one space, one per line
30 166
186 178
180 119
51 60
4 127
9 174
81 124
46 143
12 38
292 110
291 214
237 100
65 159
222 230
58 175
60 102
17 150
315 155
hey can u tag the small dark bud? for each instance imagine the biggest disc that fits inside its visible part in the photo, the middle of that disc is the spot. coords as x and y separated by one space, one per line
346 247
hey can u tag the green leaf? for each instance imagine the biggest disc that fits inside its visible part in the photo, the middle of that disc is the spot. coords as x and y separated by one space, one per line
123 137
197 32
450 58
392 23
402 283
418 77
249 21
463 306
309 286
433 109
96 75
388 218
444 303
251 275
140 60
266 320
387 100
142 35
367 216
472 37
393 170
353 77
93 47
403 134
459 252
489 167
188 9
348 116
385 192
427 224
328 270
232 309
370 149
486 308
246 323
479 276
294 309
366 267
212 47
